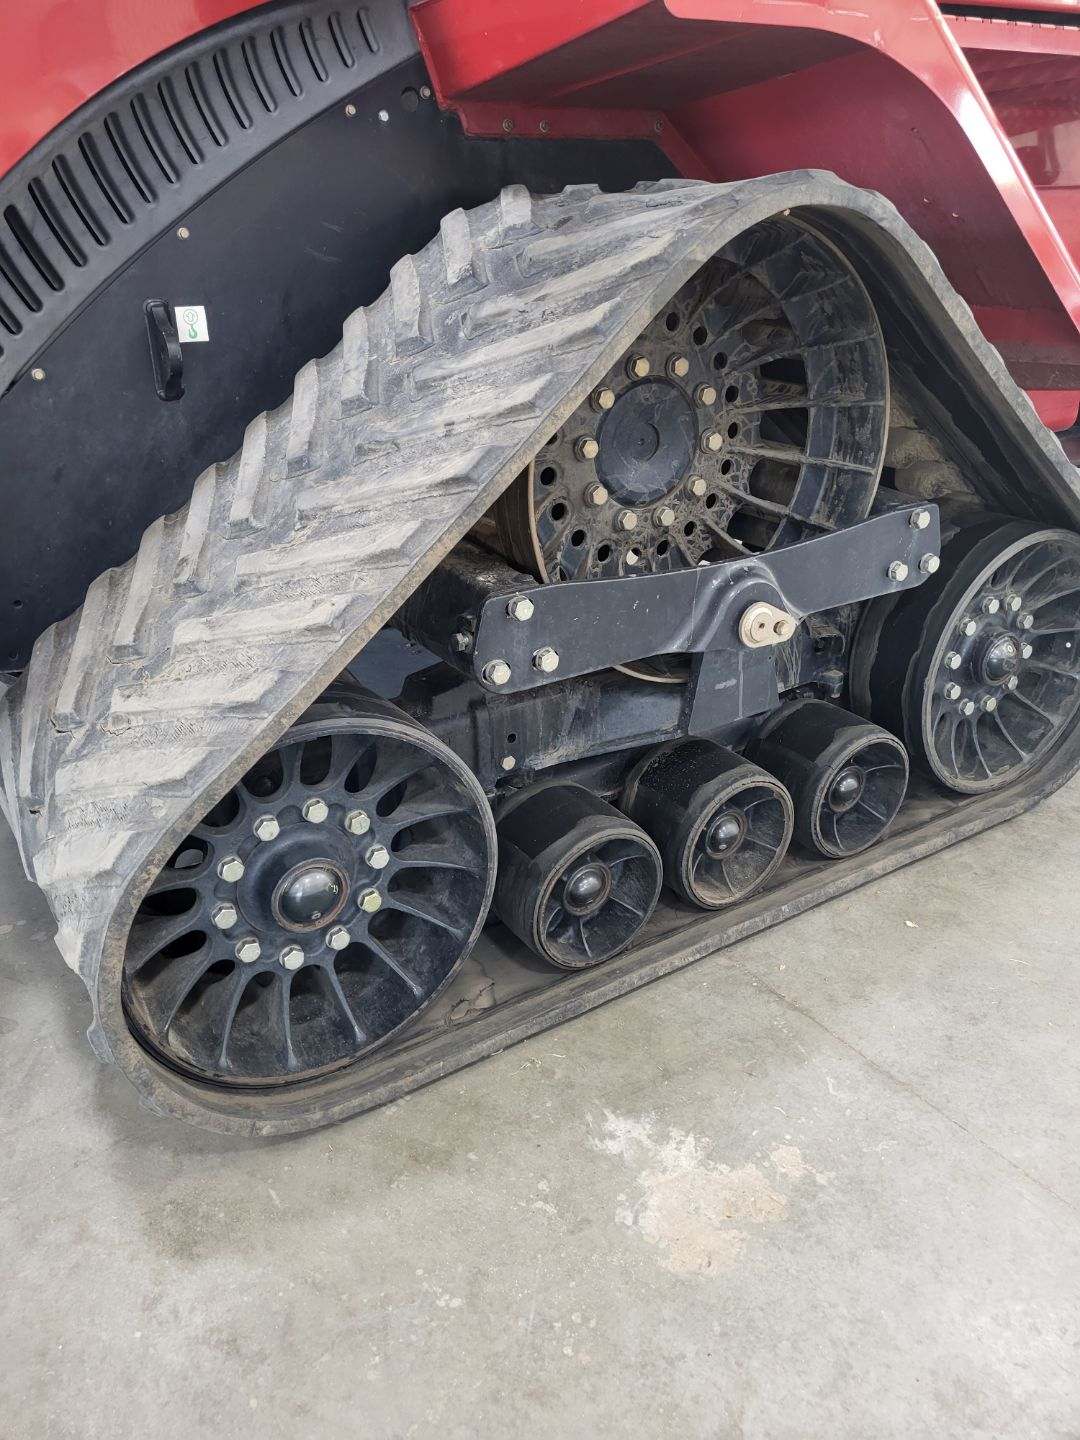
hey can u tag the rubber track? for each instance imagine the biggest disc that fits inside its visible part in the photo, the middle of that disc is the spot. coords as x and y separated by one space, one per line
138 712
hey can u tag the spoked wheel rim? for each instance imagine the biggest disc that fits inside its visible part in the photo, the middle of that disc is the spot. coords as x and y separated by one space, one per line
757 420
737 844
860 798
273 961
580 924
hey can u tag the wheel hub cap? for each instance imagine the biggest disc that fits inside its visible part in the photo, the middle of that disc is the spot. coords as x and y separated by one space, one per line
846 789
310 896
587 888
725 835
1000 659
647 442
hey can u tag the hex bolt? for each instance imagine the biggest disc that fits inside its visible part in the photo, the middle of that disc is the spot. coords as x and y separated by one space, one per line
632 557
705 394
919 519
378 857
337 937
183 233
988 703
224 916
508 762
696 486
953 660
266 827
292 957
1027 650
370 901
425 92
37 374
1013 603
315 811
248 950
637 367
967 707
384 117
520 608
664 516
930 564
626 520
460 642
546 660
350 111
1026 621
586 448
357 822
897 571
968 626
497 672
990 605
231 869
952 691
596 495
604 398
678 367
1012 682
711 442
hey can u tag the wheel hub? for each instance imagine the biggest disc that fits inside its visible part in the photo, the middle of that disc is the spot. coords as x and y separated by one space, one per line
310 896
1001 657
647 442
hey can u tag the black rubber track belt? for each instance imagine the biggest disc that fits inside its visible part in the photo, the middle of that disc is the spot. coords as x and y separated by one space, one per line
139 711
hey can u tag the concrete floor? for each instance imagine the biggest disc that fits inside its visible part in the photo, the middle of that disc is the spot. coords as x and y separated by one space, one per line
823 1185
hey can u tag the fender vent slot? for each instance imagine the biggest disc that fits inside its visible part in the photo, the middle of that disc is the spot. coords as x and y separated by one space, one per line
104 181
31 249
367 29
257 76
214 127
280 47
341 40
9 321
233 98
140 113
311 47
43 203
10 272
174 114
78 201
124 153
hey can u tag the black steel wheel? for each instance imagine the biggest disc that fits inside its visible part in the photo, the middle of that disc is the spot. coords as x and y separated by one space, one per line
750 413
847 778
722 825
323 902
577 880
981 673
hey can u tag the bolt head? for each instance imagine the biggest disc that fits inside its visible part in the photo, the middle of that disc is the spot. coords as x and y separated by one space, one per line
546 660
266 827
231 869
224 916
425 92
784 627
632 557
37 374
967 707
638 367
627 520
315 811
248 950
990 605
1026 621
350 111
357 822
508 125
508 762
697 486
930 564
705 394
370 901
953 660
988 703
1011 682
604 398
183 233
586 448
968 627
1027 650
678 367
664 516
1013 603
337 937
520 608
384 117
596 495
460 642
952 691
292 957
897 571
497 672
919 519
711 442
378 857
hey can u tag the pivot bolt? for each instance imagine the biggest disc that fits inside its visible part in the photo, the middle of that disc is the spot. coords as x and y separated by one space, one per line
665 516
586 448
711 442
266 827
1026 621
953 660
967 707
930 564
357 822
988 703
337 937
520 608
705 394
596 495
784 627
678 367
603 399
991 605
697 487
968 626
919 519
952 691
1012 682
1013 603
315 811
224 916
292 957
497 672
897 571
626 520
1027 650
546 660
248 950
637 367
378 857
370 901
231 869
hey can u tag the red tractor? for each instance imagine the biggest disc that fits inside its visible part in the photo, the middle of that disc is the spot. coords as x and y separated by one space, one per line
583 465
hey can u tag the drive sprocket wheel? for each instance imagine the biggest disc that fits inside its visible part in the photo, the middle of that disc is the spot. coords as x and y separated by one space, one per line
750 413
979 669
322 903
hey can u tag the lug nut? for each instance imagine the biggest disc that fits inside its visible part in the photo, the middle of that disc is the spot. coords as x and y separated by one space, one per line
266 827
637 367
919 519
953 660
546 660
497 672
626 520
897 571
315 811
988 703
665 516
930 564
520 608
248 950
596 495
357 822
697 487
337 937
231 869
967 707
370 901
952 691
711 442
678 367
968 627
1012 682
1027 650
632 557
586 448
603 399
292 957
224 916
991 605
1026 621
705 394
1013 603
378 857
